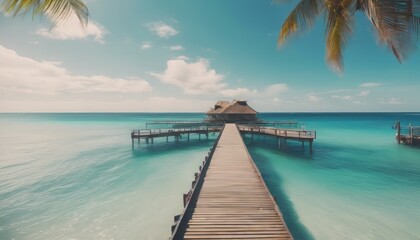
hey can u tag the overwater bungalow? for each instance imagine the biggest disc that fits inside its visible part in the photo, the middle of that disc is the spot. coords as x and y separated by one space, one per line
230 112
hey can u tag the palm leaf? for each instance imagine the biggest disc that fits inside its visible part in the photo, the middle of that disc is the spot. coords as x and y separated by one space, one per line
301 18
339 18
57 10
396 22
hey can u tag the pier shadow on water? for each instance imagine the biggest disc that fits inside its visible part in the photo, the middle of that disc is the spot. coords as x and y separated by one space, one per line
293 149
274 183
160 146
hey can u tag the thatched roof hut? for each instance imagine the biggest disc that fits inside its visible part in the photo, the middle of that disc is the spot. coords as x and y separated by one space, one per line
235 111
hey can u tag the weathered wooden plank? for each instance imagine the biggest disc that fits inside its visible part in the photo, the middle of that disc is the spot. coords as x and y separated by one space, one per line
234 202
247 236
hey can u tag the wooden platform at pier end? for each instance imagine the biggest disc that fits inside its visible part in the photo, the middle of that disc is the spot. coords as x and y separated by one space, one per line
234 202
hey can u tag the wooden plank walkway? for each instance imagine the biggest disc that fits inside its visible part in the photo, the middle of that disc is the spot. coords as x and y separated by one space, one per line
234 202
304 135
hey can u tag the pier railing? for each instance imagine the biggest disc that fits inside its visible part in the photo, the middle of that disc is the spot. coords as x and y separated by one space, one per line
159 131
178 229
184 124
284 133
264 123
410 131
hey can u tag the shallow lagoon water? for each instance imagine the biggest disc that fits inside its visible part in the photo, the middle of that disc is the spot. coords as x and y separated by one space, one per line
76 176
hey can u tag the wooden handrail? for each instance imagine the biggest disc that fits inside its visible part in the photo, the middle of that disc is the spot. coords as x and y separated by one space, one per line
146 132
180 225
280 132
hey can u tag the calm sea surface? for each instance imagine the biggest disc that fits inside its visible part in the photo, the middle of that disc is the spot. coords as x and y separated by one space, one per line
76 176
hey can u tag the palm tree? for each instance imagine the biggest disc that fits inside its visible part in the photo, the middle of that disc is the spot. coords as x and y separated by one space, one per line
56 10
397 23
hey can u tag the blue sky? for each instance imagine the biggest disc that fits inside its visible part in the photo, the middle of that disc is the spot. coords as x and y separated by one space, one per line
182 56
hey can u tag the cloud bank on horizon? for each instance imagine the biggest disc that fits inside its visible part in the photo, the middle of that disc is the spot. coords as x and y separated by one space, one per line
148 64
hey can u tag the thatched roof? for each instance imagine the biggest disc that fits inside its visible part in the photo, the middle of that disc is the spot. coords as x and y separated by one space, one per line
234 107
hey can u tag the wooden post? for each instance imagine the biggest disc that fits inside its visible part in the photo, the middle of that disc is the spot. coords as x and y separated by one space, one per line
138 140
411 134
167 140
278 142
152 140
132 142
310 147
184 198
398 132
303 146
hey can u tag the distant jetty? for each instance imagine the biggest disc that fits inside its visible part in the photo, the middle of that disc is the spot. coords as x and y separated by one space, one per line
408 135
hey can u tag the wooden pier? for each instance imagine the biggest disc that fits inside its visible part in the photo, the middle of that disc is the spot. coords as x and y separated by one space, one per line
228 198
409 135
149 134
282 135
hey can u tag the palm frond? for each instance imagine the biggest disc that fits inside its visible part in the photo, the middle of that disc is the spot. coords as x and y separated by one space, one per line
301 18
57 10
396 22
339 18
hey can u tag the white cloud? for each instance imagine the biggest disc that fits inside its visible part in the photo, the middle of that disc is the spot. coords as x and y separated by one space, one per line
174 104
370 84
364 93
238 92
176 48
342 97
182 57
276 88
391 101
198 78
22 74
73 29
209 50
312 97
193 77
153 104
146 45
162 29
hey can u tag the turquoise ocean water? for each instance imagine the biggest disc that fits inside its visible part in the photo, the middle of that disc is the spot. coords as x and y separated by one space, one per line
76 176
